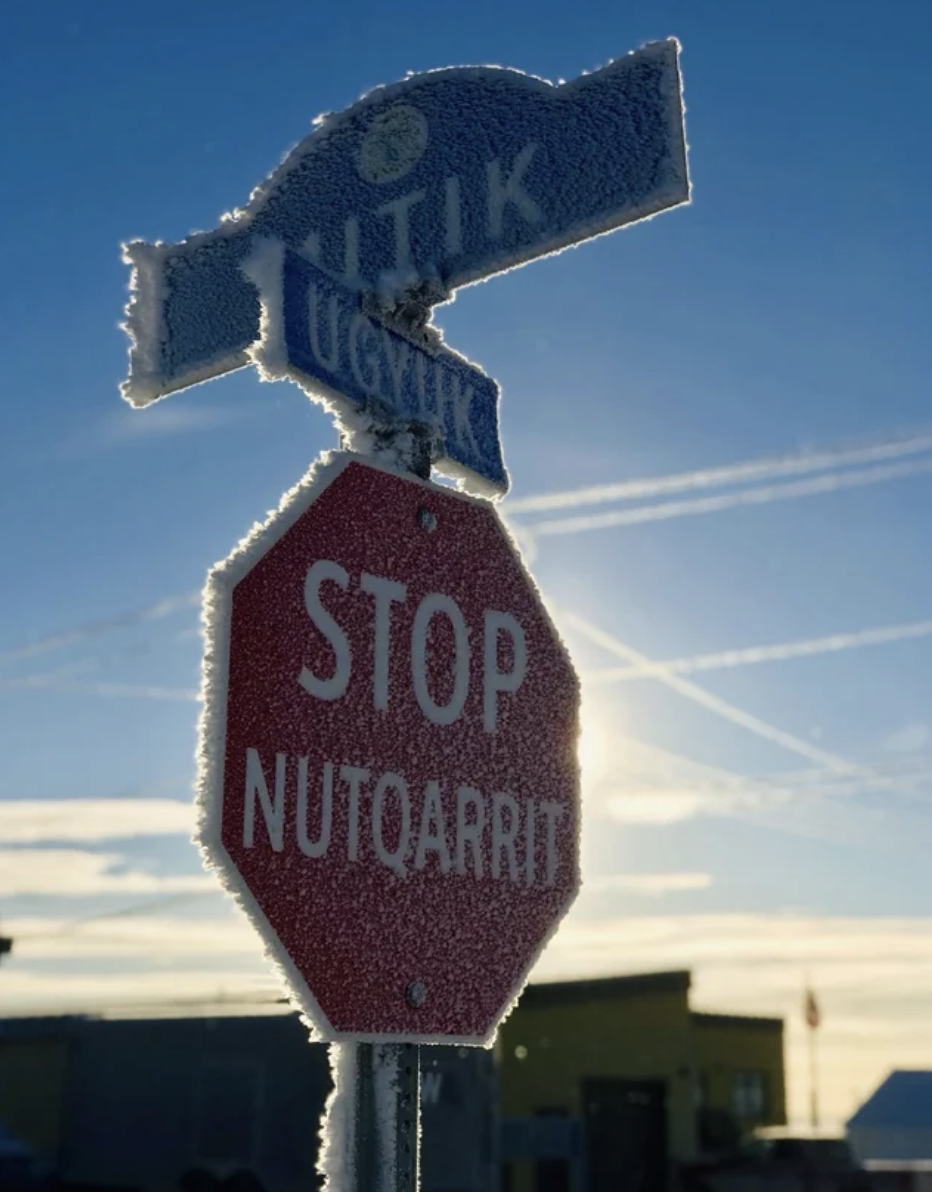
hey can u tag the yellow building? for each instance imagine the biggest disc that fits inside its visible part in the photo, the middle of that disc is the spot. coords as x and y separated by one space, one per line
619 1078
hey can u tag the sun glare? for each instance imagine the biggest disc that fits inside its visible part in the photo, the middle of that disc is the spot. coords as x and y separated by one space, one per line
597 750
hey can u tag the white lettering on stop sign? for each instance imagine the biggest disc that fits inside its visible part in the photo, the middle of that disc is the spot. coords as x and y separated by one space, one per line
385 594
387 770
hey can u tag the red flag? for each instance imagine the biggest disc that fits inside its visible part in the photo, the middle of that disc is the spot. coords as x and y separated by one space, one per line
811 1010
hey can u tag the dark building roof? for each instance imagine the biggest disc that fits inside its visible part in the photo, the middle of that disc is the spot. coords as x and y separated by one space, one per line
903 1102
29 1026
737 1020
604 989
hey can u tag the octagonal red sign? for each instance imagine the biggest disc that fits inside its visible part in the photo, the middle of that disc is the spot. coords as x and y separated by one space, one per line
388 772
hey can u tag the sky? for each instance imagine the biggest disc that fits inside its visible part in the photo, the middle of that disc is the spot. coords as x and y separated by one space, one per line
718 430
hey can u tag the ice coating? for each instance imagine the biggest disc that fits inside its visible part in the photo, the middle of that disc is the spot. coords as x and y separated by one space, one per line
335 1158
388 781
432 183
367 375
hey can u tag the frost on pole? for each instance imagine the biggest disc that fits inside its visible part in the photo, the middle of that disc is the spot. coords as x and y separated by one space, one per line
388 779
368 375
421 187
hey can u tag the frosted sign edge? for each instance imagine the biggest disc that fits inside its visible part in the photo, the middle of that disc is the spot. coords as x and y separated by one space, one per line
144 320
211 748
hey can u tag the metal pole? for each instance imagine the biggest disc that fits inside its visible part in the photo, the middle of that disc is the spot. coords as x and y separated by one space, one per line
387 1119
371 1128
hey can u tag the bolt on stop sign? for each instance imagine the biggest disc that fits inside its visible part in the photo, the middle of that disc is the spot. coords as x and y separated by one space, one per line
389 781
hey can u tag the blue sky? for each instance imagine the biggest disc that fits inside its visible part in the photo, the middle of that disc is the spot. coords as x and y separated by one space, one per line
785 311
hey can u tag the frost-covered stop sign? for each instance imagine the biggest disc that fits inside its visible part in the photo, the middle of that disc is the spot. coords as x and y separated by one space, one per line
389 781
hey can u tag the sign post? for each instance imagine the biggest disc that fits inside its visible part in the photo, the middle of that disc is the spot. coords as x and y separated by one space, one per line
387 774
398 1154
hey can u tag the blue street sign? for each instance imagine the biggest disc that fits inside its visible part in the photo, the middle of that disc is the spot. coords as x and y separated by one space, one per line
327 344
438 181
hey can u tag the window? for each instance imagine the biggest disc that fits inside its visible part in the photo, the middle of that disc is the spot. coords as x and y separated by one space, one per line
749 1096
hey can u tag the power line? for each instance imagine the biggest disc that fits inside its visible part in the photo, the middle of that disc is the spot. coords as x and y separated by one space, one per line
134 909
57 641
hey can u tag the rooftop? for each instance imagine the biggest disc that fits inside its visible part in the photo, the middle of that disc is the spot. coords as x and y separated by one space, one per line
736 1020
600 989
903 1101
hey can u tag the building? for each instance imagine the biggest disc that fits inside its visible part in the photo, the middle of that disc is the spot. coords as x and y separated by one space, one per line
894 1125
142 1104
608 1083
593 1086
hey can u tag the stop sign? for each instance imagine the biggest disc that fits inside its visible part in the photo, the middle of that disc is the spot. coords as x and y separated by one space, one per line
388 772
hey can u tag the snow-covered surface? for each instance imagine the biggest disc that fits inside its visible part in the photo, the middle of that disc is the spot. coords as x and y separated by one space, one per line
368 376
336 1157
341 1121
212 752
443 179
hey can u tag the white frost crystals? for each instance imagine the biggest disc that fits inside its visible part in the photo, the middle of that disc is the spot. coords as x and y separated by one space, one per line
375 741
447 177
216 617
373 376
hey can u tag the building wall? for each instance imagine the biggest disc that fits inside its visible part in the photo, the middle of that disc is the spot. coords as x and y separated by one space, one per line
626 1030
32 1080
148 1100
135 1104
727 1047
547 1050
891 1144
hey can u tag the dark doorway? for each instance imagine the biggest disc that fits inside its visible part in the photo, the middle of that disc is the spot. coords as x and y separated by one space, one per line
626 1134
552 1175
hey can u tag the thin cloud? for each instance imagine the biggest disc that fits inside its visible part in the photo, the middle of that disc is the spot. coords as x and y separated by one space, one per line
70 872
175 935
764 495
167 418
652 787
721 477
753 655
162 420
910 738
648 885
92 629
632 799
39 821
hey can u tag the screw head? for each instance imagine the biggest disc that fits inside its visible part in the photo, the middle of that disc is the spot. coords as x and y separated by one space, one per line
416 994
427 520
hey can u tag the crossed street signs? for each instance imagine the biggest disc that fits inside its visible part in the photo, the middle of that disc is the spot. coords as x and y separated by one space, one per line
387 208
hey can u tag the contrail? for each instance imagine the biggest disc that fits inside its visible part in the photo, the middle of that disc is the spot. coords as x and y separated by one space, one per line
752 655
753 724
57 641
729 474
764 495
54 682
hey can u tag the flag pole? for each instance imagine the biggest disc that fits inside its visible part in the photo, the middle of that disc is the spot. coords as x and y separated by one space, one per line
813 1018
813 1078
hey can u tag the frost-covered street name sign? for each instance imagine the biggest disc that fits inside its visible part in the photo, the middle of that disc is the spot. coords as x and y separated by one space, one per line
421 187
322 338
